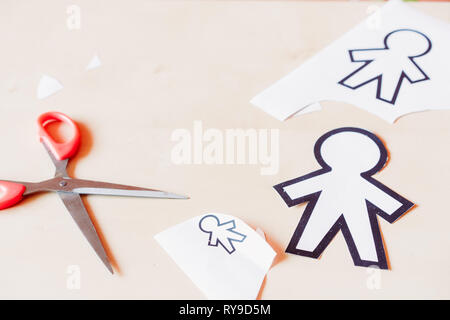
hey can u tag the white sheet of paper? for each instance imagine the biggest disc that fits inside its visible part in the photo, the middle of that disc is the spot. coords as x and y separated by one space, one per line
402 61
94 63
220 268
48 86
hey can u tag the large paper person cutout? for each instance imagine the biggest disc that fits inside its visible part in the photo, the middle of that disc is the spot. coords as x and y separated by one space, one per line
344 196
397 67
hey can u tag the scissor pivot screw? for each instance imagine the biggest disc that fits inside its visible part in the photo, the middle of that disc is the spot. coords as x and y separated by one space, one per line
63 183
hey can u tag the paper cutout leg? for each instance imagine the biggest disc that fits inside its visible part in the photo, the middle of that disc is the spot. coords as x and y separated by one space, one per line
316 228
344 196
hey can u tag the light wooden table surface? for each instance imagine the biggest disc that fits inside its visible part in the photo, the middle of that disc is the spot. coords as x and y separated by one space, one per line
166 64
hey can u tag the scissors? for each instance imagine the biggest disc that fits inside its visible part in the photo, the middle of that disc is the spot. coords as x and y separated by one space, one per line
69 189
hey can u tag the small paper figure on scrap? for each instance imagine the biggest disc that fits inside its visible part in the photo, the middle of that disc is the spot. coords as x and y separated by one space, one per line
221 233
233 270
344 196
390 65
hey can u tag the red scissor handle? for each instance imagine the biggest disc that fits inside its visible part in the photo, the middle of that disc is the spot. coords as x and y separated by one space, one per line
10 193
63 150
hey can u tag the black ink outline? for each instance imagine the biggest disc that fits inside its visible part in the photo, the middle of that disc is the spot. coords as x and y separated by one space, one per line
379 77
340 224
218 240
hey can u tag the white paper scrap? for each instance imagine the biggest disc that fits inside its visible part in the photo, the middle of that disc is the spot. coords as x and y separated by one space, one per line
261 233
221 254
94 63
47 86
391 68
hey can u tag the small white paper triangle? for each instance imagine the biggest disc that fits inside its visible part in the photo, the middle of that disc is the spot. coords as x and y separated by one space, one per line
48 86
94 63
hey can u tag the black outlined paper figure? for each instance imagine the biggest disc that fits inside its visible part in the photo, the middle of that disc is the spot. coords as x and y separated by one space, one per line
401 48
344 196
221 233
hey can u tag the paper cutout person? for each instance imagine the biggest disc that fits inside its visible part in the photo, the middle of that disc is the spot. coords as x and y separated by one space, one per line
221 233
344 196
388 66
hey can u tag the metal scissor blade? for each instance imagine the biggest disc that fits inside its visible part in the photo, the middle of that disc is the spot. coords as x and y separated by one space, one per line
111 189
73 203
60 165
129 193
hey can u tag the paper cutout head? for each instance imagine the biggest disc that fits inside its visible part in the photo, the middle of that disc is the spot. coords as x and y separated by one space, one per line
344 196
352 150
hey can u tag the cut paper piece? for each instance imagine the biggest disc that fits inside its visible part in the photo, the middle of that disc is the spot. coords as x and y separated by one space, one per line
221 254
400 67
261 233
344 196
310 108
222 233
48 86
94 63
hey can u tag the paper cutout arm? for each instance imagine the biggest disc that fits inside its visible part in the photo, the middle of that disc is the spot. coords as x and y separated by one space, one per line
227 240
383 200
414 73
301 187
365 54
